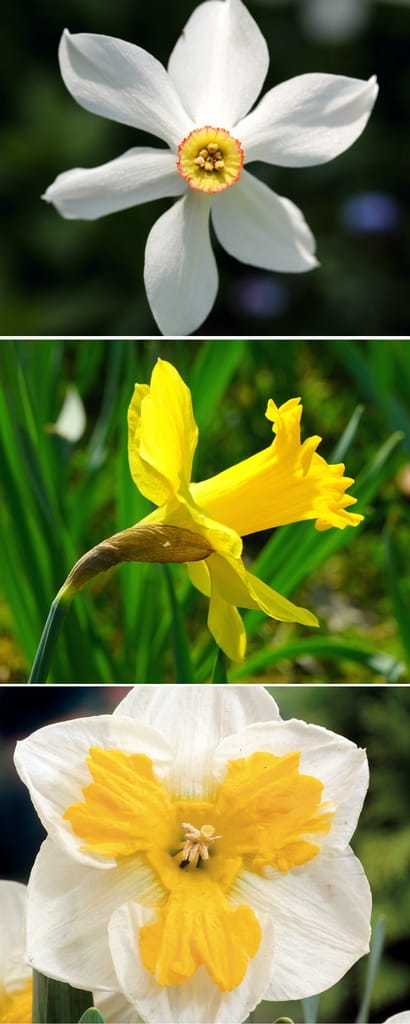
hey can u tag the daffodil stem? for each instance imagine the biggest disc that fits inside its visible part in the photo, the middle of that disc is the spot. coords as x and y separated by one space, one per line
49 637
219 673
184 671
310 1009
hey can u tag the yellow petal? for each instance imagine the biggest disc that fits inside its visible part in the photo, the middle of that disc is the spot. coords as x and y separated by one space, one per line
285 483
198 927
162 435
240 587
268 812
125 809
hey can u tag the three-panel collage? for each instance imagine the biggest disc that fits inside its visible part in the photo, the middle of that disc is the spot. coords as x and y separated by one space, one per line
205 513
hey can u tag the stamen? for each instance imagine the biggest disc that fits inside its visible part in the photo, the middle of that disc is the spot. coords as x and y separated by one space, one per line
210 159
197 841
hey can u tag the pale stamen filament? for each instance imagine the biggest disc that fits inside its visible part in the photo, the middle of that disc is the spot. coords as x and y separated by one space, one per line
197 842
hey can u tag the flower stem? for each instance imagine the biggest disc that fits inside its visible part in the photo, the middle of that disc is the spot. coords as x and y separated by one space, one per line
219 673
376 949
49 636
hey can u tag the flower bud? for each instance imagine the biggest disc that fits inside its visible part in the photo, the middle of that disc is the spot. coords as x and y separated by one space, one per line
155 542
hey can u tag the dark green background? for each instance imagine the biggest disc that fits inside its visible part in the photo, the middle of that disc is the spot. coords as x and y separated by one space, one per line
78 277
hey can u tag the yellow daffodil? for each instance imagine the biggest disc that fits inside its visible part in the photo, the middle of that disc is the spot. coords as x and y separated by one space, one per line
285 483
197 855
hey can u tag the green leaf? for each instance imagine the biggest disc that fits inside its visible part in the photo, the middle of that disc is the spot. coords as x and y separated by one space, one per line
219 673
55 1002
376 949
400 605
91 1016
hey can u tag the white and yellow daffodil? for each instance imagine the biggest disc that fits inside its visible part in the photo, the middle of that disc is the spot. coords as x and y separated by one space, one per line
16 981
198 853
200 108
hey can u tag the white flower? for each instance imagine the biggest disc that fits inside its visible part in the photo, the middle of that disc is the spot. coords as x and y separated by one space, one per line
122 893
16 975
199 107
399 1018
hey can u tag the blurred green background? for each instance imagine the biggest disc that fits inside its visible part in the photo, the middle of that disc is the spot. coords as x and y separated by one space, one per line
62 497
376 718
82 278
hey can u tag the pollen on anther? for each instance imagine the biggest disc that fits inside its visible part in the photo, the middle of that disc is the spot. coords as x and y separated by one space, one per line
210 159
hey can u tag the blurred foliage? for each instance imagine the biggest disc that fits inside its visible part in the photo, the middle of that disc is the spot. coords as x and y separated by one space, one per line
79 278
61 498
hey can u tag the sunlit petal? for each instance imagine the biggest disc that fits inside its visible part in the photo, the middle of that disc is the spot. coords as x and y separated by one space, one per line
137 176
308 120
219 63
180 272
261 228
121 81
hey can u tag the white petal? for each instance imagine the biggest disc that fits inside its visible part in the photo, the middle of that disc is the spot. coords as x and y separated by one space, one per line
219 63
197 999
14 972
308 120
72 420
261 228
68 910
114 1007
336 761
51 762
137 176
321 912
399 1018
194 720
180 272
123 82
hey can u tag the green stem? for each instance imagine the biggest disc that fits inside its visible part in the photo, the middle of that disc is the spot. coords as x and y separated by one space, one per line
310 1009
49 637
219 673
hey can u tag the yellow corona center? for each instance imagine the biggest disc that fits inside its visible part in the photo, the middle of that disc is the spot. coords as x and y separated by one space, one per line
16 1007
265 813
210 159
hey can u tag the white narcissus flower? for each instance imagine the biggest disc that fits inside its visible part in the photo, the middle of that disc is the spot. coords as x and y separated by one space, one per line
15 974
200 108
197 853
16 983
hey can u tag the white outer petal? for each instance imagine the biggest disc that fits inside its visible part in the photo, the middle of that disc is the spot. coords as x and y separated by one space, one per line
336 761
68 910
14 972
123 82
194 720
321 912
51 762
180 274
399 1018
114 1007
258 227
219 63
307 120
135 177
196 1000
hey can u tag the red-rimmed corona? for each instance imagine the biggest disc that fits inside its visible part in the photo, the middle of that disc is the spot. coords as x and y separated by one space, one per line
210 159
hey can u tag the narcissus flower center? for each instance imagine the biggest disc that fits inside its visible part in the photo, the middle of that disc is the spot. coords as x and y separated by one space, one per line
210 159
265 813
